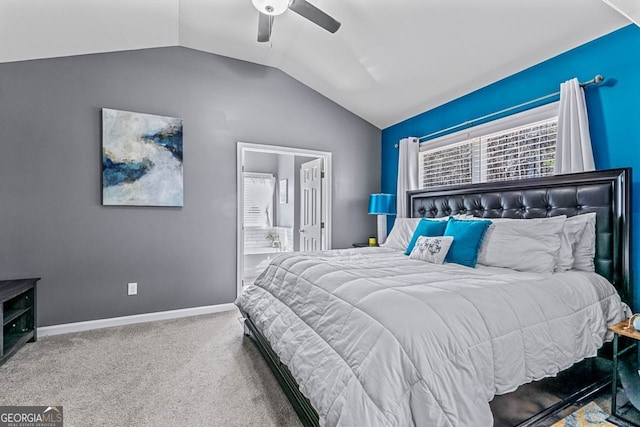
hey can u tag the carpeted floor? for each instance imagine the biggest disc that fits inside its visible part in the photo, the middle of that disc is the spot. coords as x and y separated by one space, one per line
196 371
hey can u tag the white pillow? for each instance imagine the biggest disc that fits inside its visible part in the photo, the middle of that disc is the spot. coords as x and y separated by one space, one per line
523 244
403 229
431 249
573 229
585 249
568 239
401 233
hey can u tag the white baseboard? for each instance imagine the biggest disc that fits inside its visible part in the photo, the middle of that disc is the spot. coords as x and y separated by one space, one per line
66 328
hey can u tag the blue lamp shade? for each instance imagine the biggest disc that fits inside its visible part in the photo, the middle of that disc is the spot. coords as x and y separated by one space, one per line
382 204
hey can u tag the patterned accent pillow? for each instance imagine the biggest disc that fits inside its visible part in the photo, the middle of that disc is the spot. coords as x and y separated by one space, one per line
428 228
431 249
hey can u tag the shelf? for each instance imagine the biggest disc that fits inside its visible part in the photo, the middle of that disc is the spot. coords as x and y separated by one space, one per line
11 288
13 342
18 308
11 315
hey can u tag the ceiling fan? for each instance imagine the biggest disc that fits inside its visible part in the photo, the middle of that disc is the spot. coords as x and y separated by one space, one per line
270 8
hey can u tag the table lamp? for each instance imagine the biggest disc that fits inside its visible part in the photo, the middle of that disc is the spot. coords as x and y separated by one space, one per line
382 205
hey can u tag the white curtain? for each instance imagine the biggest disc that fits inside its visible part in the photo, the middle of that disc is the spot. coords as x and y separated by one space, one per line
407 173
573 146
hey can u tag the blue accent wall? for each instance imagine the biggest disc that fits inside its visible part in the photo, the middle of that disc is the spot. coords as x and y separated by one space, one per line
614 108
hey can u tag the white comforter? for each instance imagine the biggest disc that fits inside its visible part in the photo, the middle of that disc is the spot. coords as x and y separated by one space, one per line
377 339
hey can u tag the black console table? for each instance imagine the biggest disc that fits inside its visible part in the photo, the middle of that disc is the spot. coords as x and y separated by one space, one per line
18 312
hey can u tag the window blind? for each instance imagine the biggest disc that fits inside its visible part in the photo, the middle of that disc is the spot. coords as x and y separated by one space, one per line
525 151
448 165
258 199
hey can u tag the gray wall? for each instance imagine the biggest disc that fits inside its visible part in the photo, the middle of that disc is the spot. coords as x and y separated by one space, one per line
52 224
261 163
286 210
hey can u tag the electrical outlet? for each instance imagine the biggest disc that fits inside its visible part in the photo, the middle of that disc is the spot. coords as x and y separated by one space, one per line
132 288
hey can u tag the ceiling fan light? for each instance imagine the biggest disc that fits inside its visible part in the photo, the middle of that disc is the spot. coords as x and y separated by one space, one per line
271 7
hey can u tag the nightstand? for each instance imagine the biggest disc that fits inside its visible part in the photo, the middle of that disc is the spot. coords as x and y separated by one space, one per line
619 329
361 245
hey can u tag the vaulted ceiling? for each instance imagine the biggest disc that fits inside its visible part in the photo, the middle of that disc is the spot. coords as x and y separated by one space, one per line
390 60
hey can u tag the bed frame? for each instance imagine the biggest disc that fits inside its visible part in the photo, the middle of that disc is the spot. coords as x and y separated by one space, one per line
604 192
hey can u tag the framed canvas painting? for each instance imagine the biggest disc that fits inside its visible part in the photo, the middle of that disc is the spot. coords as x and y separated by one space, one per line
141 159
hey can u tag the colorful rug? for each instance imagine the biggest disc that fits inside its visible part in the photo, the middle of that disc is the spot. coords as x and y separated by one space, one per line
590 415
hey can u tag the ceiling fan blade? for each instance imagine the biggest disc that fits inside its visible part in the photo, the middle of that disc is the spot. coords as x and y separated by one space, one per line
265 24
315 15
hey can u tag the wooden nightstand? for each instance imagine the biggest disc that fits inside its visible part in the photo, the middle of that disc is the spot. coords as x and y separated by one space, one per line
620 329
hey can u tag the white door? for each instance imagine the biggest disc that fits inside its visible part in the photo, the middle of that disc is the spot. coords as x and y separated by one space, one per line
311 206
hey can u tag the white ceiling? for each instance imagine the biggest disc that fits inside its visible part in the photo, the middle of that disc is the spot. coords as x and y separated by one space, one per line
389 61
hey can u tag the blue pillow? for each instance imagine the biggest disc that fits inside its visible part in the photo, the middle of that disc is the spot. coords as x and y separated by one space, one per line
467 238
428 228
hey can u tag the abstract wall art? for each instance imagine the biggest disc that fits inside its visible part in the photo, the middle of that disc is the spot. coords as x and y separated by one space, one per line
141 159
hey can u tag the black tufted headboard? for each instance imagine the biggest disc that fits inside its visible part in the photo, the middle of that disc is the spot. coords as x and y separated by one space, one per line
604 192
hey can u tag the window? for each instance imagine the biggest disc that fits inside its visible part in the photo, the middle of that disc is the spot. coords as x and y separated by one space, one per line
258 199
449 165
525 152
516 147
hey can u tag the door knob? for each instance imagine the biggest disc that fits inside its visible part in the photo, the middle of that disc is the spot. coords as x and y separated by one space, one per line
301 231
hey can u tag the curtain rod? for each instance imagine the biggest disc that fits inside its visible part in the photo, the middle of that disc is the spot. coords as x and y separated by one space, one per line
470 123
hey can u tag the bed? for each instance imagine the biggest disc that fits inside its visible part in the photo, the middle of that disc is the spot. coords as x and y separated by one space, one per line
370 337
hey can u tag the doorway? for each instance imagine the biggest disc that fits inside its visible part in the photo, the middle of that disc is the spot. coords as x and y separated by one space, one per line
283 204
